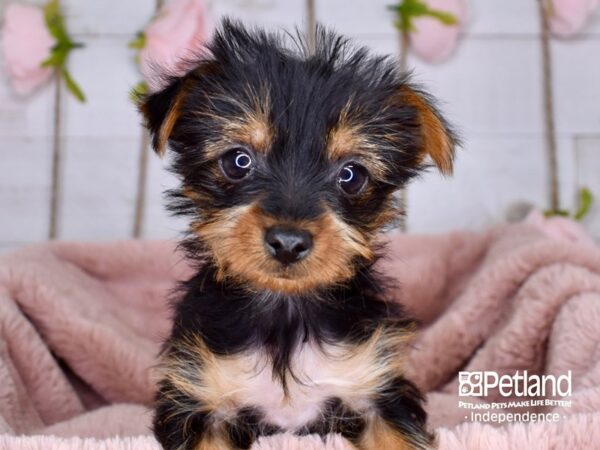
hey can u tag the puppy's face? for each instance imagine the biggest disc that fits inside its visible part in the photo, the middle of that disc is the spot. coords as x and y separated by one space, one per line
289 162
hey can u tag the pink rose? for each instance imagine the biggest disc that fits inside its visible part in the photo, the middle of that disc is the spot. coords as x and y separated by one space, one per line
433 40
180 30
26 45
569 16
559 228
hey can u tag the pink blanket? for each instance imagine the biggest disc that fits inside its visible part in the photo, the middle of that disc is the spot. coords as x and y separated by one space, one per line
81 324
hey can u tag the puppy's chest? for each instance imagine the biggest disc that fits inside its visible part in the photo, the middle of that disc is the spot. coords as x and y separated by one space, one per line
316 376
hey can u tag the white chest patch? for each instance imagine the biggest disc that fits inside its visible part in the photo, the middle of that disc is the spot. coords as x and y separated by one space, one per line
320 374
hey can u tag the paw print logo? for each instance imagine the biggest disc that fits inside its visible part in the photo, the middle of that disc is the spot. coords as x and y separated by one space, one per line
470 384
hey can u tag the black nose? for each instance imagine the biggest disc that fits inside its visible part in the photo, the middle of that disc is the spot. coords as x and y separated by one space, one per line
288 245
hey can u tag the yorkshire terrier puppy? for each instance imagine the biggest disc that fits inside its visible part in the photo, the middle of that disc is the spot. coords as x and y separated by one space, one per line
289 160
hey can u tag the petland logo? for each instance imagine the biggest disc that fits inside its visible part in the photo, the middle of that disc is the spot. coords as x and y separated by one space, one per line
521 384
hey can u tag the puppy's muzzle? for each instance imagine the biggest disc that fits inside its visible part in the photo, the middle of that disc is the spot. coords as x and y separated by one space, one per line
288 245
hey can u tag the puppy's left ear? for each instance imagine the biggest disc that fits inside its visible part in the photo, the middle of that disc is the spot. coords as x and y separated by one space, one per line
438 141
161 111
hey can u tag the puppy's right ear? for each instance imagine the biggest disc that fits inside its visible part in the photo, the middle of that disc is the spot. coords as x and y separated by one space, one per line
161 111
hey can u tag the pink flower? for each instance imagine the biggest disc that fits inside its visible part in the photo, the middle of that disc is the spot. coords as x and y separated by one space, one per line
569 16
559 228
433 40
26 45
179 31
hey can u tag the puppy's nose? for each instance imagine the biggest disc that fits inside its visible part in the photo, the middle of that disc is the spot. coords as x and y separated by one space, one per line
288 245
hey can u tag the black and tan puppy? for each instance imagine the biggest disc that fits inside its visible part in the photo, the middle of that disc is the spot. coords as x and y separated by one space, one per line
288 161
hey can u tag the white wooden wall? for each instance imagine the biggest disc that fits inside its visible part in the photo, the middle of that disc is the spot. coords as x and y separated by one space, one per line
491 89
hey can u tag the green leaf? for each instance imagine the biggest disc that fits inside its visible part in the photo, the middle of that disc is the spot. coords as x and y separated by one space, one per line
72 86
56 59
407 10
139 42
445 17
55 22
58 55
586 198
60 52
138 91
52 8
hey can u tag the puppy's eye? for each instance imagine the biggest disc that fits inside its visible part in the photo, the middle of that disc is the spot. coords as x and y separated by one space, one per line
352 178
236 164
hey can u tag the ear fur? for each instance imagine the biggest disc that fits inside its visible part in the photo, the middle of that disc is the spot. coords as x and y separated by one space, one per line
161 111
438 139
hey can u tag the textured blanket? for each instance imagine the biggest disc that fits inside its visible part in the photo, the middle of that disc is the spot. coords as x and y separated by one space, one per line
81 325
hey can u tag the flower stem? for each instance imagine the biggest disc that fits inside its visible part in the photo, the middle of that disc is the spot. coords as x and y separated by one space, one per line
311 25
550 130
140 201
55 189
403 62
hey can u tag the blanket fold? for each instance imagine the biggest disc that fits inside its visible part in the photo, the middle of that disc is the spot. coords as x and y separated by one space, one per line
81 326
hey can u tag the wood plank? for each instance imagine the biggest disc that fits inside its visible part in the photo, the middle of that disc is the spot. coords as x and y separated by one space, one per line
24 188
106 71
26 126
485 19
494 86
158 222
514 17
107 17
268 13
577 86
126 18
587 150
101 141
99 179
487 87
491 174
567 171
25 116
357 17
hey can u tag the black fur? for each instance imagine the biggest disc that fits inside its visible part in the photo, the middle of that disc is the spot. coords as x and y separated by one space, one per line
232 321
337 418
307 93
247 427
400 404
174 426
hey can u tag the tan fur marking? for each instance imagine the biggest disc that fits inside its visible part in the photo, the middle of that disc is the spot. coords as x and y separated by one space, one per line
169 123
348 139
223 384
366 368
380 436
214 439
254 130
251 127
344 140
437 142
192 194
236 239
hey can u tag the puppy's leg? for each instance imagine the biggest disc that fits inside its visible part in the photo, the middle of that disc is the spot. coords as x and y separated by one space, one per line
379 435
195 405
180 422
398 422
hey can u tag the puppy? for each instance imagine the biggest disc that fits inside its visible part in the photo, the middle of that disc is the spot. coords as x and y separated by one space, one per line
288 161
